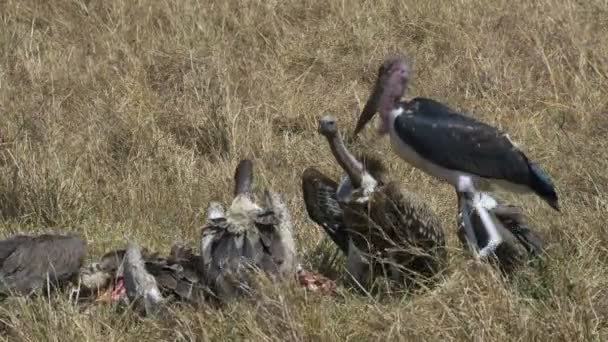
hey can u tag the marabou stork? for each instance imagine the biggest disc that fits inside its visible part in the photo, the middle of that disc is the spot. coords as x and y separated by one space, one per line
470 155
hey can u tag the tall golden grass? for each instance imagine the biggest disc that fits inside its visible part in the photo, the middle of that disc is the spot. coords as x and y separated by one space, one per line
124 118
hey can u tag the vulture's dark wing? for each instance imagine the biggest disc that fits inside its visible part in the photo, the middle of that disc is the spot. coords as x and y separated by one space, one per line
516 222
180 253
396 224
56 256
272 252
518 238
323 208
8 246
275 230
227 258
178 277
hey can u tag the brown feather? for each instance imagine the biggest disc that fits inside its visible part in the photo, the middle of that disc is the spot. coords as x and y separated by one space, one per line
395 224
322 206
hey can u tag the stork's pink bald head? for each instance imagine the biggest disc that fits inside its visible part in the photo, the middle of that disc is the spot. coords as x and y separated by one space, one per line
393 76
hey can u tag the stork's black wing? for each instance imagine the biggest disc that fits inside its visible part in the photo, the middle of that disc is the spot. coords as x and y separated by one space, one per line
458 142
322 206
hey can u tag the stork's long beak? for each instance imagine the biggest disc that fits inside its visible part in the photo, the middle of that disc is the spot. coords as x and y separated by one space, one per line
371 107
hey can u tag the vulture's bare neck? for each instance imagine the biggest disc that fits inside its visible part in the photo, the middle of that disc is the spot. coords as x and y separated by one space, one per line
242 177
347 161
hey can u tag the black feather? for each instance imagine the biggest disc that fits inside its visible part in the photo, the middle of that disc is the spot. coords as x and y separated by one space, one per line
457 141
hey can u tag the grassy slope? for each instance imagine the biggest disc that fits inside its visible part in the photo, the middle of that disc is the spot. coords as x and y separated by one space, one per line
124 118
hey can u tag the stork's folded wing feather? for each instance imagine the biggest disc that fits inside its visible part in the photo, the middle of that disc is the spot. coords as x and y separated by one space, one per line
474 147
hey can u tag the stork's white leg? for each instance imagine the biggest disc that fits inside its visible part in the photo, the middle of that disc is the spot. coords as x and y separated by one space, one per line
467 225
494 238
465 188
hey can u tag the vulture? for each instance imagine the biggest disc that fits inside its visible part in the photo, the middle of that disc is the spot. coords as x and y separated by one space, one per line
382 228
246 237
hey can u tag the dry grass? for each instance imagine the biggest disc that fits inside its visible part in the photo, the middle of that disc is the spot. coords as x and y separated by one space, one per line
124 118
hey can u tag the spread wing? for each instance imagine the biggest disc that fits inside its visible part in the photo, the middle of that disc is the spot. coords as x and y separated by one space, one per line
319 193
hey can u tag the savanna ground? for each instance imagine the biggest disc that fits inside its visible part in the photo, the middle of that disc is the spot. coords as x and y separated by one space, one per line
124 118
